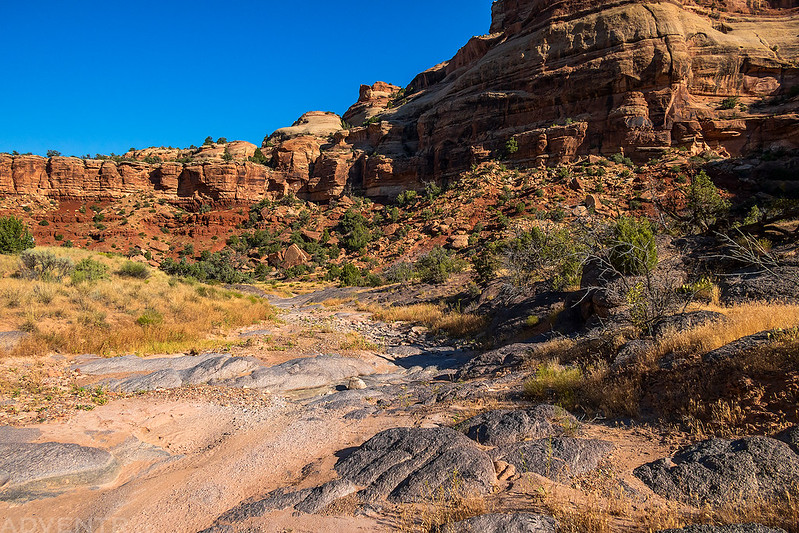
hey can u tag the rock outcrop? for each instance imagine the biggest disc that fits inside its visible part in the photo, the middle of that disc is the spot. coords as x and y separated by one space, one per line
725 471
551 82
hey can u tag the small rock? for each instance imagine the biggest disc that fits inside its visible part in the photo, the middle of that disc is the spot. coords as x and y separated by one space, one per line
356 384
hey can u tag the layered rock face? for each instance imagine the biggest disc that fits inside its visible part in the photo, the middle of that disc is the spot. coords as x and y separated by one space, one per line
564 79
70 178
559 79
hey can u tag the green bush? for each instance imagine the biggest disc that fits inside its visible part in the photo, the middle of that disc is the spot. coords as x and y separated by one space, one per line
14 235
132 269
512 146
549 253
400 272
45 266
350 276
356 232
633 250
705 204
406 198
89 270
731 102
437 265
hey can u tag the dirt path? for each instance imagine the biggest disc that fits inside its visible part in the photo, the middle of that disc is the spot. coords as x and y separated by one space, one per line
187 455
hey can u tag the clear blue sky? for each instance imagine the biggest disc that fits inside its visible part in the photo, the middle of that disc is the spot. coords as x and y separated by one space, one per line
99 77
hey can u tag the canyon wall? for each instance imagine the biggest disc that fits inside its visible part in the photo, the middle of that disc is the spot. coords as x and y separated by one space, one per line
559 79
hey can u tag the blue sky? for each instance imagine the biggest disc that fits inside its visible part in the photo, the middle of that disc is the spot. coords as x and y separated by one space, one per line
100 77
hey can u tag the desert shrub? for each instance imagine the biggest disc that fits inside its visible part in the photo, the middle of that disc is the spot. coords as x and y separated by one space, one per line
259 157
150 317
406 198
350 276
432 191
633 250
400 272
44 265
354 227
486 263
705 203
221 266
14 235
132 269
731 102
437 265
512 146
621 160
88 270
548 253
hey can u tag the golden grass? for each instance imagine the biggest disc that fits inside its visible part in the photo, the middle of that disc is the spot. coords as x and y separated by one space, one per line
452 323
742 320
553 382
445 505
356 341
120 315
337 302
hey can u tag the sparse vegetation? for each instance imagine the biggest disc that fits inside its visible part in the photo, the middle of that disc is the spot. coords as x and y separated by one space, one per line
14 235
103 317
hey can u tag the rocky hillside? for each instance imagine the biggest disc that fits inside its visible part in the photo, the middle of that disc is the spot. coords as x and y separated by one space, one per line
551 82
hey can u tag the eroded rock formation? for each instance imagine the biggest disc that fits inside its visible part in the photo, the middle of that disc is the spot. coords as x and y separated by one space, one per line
557 79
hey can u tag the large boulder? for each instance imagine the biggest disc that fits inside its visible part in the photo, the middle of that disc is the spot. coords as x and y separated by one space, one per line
415 464
556 458
497 428
314 123
722 471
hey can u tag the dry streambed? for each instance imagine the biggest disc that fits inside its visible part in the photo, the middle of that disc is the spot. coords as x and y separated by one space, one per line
313 438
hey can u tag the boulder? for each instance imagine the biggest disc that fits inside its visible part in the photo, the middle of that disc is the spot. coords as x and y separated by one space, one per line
505 523
415 464
459 242
557 458
497 428
791 436
295 256
719 471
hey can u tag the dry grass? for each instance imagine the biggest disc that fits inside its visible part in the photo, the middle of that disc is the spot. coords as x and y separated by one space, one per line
452 323
356 341
742 320
445 505
120 315
781 513
337 302
707 398
553 382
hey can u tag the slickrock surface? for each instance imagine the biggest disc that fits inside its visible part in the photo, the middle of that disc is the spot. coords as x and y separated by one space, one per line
720 470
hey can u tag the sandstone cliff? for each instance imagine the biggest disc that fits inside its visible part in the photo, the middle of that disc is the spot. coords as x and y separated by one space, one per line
560 79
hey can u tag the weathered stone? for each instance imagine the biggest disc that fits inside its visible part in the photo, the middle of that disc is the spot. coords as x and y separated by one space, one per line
557 458
791 436
497 428
412 464
27 469
505 523
722 471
